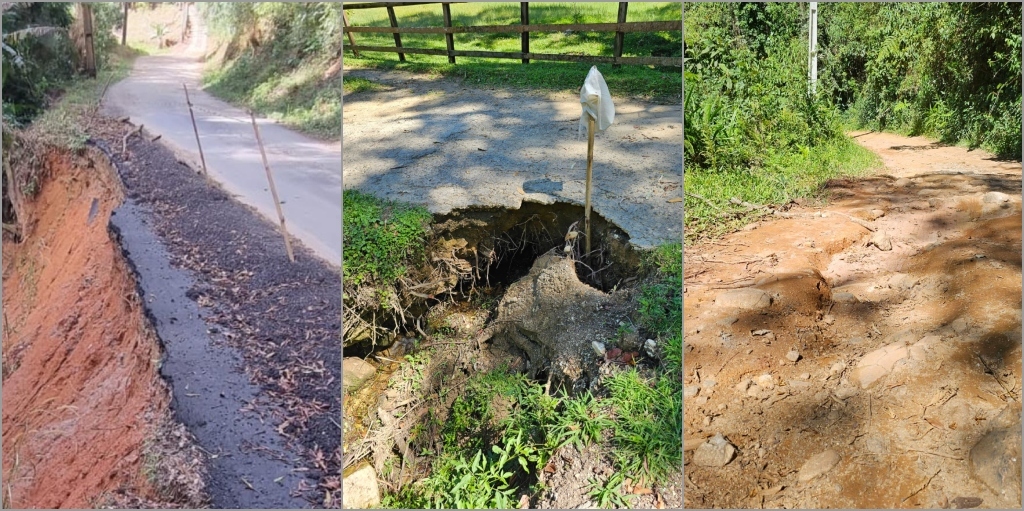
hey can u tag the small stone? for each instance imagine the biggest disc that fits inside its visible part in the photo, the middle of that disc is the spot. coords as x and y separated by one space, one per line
744 385
844 297
846 392
355 372
722 407
902 182
707 384
745 299
805 376
878 363
836 368
706 421
799 384
765 381
934 202
761 452
966 502
793 356
690 391
701 400
716 452
754 391
819 464
882 241
828 319
995 198
359 488
875 214
598 348
649 346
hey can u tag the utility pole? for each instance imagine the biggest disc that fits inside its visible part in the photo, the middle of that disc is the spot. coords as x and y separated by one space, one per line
812 54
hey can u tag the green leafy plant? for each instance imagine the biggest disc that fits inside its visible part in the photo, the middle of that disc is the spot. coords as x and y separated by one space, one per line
609 494
381 238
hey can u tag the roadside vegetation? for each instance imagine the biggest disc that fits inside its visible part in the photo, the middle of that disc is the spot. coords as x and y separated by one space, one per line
649 82
755 133
501 429
281 59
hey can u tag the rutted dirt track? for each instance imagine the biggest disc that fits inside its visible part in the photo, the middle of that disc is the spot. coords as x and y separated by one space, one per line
82 402
900 303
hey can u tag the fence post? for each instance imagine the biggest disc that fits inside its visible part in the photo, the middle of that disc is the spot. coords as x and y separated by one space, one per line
398 37
351 38
90 55
524 16
448 36
619 35
273 189
195 128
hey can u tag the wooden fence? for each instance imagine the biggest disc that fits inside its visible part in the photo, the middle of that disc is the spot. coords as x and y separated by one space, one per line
621 27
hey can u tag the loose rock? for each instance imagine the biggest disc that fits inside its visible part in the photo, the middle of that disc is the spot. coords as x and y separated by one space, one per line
818 465
745 299
995 198
716 452
878 363
996 459
355 372
359 488
882 241
793 356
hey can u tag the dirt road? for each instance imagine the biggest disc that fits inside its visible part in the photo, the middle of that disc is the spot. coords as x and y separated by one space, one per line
451 145
866 354
307 172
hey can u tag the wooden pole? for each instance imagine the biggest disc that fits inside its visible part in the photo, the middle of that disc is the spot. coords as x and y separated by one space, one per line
273 189
195 129
351 38
448 37
619 35
90 50
398 37
590 174
124 26
524 18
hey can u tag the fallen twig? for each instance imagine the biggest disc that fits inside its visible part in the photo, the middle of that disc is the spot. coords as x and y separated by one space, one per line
709 203
939 454
857 221
925 485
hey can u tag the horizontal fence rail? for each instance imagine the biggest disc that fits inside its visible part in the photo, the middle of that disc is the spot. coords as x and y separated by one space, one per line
620 28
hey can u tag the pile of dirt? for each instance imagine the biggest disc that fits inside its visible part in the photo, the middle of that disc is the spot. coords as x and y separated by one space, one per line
832 348
84 411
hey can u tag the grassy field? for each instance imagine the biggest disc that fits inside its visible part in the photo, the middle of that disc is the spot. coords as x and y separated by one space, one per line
660 83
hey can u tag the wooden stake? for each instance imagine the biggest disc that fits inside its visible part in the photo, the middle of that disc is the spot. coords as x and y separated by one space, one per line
273 189
351 38
195 129
590 173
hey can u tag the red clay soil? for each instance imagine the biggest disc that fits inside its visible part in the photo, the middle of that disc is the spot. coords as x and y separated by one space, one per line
789 378
79 363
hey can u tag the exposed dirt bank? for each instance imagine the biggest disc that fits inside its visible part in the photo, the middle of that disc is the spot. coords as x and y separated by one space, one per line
84 412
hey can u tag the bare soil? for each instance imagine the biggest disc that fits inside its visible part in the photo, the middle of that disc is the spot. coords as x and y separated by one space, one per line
84 412
947 293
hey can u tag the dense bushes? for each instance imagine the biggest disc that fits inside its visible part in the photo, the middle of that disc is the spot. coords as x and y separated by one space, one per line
746 94
36 56
948 70
282 59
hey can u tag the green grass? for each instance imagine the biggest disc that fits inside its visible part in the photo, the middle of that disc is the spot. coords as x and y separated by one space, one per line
381 238
782 178
661 83
282 88
352 85
503 428
64 123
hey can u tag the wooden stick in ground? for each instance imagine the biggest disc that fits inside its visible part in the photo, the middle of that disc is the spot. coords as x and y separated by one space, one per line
273 189
590 173
124 141
195 129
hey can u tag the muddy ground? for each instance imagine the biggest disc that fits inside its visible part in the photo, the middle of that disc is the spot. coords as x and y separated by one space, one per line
85 414
284 318
853 355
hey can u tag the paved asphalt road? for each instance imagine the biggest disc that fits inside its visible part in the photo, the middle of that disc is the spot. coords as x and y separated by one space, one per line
307 172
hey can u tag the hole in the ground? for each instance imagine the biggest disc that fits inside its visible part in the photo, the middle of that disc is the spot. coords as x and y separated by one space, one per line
502 244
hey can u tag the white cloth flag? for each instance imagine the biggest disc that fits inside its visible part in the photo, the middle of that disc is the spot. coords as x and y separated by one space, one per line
597 101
